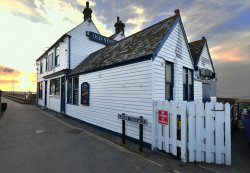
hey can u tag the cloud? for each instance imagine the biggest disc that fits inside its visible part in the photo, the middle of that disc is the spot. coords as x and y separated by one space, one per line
8 81
8 71
24 9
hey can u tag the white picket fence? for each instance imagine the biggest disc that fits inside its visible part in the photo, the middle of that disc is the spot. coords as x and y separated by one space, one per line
205 132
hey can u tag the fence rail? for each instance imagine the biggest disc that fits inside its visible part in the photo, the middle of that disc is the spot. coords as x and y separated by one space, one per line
201 131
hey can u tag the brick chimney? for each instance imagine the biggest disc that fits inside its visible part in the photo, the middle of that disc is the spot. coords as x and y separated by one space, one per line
87 12
119 26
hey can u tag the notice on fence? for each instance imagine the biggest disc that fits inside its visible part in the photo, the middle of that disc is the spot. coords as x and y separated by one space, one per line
163 117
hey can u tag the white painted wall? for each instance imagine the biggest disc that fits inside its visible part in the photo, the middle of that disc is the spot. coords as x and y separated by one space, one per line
81 46
167 52
205 58
125 89
63 58
198 91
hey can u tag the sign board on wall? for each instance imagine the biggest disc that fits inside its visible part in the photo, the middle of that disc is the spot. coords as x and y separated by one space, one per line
85 93
163 117
99 38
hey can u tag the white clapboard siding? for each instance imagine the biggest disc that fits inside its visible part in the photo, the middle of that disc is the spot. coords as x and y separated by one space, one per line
205 58
205 131
167 53
80 45
197 91
63 60
126 89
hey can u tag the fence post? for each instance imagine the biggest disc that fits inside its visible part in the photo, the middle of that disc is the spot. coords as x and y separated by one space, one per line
209 132
191 130
219 134
173 128
200 132
227 135
184 132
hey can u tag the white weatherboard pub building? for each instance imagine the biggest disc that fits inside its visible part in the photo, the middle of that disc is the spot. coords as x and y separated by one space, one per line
94 78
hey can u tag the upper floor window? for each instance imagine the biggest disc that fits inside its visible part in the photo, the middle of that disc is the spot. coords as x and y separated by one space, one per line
169 81
188 87
46 61
41 67
57 53
55 86
50 61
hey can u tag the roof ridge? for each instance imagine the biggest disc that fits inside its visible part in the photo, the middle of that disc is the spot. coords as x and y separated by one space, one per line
135 33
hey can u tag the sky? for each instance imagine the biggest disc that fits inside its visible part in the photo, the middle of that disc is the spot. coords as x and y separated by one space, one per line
29 27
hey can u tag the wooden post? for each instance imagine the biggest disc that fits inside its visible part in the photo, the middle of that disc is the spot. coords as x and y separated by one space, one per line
123 132
141 136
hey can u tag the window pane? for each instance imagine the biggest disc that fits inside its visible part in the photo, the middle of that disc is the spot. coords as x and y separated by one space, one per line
185 92
168 73
57 86
69 92
50 61
76 83
168 92
184 76
190 81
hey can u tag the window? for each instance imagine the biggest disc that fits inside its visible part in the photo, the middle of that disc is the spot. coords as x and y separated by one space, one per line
57 53
188 88
50 61
69 91
169 81
41 67
40 90
75 91
46 59
72 91
55 86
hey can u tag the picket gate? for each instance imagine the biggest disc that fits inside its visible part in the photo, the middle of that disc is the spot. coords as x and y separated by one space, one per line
204 131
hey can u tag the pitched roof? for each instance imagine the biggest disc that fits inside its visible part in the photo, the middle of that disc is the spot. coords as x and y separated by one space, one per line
138 45
196 49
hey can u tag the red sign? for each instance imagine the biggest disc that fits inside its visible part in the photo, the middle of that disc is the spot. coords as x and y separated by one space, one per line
163 117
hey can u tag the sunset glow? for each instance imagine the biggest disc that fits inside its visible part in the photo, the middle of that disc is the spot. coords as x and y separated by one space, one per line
28 28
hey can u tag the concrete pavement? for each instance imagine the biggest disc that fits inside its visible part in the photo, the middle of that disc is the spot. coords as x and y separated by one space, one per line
31 141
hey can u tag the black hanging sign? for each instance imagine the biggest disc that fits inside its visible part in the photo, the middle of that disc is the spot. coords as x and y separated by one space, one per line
85 93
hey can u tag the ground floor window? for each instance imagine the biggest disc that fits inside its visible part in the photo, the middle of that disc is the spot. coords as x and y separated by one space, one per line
55 86
72 90
169 80
188 87
40 90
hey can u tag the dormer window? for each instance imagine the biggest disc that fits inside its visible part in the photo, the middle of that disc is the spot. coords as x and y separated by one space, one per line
57 53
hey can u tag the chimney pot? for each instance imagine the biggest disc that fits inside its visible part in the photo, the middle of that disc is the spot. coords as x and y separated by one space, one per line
87 12
119 26
177 12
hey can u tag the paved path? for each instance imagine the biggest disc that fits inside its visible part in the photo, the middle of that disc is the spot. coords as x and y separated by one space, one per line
32 142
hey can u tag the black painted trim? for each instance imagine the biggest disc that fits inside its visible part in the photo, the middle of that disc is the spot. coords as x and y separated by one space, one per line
131 61
145 144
